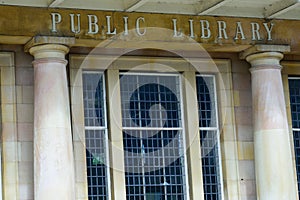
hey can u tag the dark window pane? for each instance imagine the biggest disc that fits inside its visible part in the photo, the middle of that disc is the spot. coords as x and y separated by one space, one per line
152 137
96 140
294 87
209 138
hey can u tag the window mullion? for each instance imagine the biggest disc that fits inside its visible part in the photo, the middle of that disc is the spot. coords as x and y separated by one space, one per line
162 140
115 133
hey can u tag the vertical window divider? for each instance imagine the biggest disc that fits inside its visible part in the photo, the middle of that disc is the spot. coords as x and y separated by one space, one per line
219 136
107 138
115 135
191 128
182 110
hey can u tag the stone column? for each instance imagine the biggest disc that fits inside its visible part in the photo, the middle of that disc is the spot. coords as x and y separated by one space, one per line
53 152
273 158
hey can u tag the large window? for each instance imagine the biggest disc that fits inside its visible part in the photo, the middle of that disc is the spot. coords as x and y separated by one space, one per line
209 137
153 137
140 137
294 87
95 135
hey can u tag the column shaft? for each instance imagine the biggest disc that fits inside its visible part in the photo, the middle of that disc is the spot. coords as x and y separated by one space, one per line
53 152
273 159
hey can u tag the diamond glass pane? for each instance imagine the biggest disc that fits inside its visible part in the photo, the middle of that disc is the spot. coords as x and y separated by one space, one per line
294 87
152 137
95 136
209 140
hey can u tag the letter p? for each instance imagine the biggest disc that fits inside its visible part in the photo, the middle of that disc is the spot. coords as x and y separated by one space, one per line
56 19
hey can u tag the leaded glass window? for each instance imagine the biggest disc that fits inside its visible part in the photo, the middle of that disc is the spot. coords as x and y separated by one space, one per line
294 87
209 137
96 139
153 137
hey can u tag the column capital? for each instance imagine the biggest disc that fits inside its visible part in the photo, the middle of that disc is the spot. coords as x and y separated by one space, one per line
49 51
265 56
263 48
49 46
265 60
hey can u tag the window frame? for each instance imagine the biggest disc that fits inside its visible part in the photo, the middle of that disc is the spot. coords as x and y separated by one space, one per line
290 70
101 128
221 68
216 128
181 128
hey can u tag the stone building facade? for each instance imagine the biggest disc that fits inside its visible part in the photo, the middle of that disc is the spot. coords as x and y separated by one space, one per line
121 105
